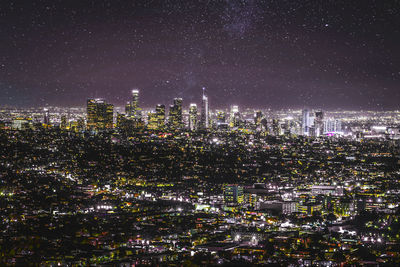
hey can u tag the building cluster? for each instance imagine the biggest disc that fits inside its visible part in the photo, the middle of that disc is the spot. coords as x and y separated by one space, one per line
101 116
157 119
312 123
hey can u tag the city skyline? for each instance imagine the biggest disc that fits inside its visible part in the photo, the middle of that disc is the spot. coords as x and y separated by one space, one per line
250 53
200 133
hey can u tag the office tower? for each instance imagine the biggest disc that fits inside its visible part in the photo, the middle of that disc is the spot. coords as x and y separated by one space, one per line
178 106
91 110
264 123
221 117
132 109
175 114
305 124
319 123
192 117
160 113
127 125
295 127
73 126
204 118
99 114
332 126
152 120
80 125
276 127
233 194
234 116
221 123
46 117
258 116
120 120
21 123
105 116
63 124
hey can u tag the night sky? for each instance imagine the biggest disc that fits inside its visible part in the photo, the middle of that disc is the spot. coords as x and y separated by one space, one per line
278 54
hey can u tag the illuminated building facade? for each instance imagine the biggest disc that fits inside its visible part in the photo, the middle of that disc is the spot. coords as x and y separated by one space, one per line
175 114
46 117
221 116
152 120
305 123
160 113
258 116
332 126
234 116
319 123
63 124
204 119
192 117
132 108
99 114
233 194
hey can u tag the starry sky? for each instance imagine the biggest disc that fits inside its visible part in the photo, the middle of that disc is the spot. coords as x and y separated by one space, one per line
267 54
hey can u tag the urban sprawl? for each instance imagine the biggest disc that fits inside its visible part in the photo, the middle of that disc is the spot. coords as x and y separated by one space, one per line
196 186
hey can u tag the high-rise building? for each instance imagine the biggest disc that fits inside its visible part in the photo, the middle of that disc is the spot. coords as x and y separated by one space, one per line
63 124
319 123
91 110
46 117
152 120
332 126
192 117
204 118
258 116
305 123
175 114
221 120
120 120
221 117
233 194
80 125
132 108
99 114
276 128
160 113
264 123
234 116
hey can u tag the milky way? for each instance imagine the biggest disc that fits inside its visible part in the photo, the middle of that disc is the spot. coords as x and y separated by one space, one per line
278 54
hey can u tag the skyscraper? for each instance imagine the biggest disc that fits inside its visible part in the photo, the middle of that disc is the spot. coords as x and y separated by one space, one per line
221 117
120 120
319 122
160 113
221 123
91 110
305 123
63 124
332 126
132 108
234 116
276 127
152 121
204 119
175 114
192 117
258 116
99 114
46 117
